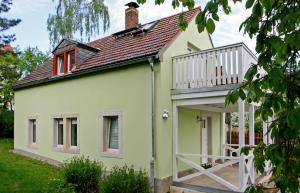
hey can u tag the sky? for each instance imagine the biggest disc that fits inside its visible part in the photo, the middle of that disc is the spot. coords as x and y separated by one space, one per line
32 31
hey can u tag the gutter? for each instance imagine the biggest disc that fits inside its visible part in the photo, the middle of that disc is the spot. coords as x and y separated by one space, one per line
153 110
84 72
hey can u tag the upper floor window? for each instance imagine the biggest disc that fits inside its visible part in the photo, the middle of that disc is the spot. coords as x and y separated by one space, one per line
64 62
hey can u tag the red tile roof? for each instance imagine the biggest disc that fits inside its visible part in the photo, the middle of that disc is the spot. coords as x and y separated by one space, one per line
118 49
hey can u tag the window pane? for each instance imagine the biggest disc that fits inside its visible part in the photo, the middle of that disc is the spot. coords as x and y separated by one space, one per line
60 132
33 131
71 60
61 64
73 132
113 133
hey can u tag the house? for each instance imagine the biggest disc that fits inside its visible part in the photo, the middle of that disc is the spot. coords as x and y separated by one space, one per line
150 95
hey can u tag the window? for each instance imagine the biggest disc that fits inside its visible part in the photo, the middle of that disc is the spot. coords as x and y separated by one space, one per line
111 134
72 122
60 60
32 132
66 130
64 62
59 127
71 60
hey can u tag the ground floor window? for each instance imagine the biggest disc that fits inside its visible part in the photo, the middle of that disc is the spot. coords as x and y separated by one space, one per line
110 125
66 133
32 131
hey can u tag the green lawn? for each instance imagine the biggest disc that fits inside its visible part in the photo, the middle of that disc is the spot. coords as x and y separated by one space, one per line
22 174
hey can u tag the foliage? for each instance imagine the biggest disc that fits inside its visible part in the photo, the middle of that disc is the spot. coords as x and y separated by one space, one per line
7 124
30 59
59 186
258 123
9 74
126 180
274 82
207 165
78 16
83 174
5 23
22 174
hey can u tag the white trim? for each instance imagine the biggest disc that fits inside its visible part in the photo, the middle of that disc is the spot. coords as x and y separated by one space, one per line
113 153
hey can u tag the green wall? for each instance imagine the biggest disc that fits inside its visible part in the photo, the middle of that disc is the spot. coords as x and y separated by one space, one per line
164 80
126 90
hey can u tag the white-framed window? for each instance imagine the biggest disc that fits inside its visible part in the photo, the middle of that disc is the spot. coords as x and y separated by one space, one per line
73 132
66 133
32 132
111 137
71 60
59 132
60 63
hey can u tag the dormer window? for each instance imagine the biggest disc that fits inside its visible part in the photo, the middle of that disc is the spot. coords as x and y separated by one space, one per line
64 62
60 67
71 60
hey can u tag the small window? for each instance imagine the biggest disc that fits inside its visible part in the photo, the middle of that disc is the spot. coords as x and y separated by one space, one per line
59 127
71 60
110 131
73 132
60 61
32 132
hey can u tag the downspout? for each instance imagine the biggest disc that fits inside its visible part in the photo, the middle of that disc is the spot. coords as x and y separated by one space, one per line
152 96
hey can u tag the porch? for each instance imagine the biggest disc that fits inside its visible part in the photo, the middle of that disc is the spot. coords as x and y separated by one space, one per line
203 159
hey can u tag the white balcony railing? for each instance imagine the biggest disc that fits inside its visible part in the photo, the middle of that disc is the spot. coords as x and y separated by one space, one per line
217 66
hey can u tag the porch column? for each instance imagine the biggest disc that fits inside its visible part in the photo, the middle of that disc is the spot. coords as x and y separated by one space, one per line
241 105
175 140
265 130
251 137
251 125
223 134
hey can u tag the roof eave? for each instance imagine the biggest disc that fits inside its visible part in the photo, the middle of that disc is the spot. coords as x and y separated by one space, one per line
84 72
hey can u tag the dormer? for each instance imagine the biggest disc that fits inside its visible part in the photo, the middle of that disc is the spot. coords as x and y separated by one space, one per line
69 54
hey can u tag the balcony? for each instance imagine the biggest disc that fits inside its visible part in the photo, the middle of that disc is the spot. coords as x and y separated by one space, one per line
218 66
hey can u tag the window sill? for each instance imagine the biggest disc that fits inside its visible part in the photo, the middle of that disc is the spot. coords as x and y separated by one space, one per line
67 150
32 146
111 154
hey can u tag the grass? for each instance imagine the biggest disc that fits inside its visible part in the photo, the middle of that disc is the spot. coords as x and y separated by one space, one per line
22 174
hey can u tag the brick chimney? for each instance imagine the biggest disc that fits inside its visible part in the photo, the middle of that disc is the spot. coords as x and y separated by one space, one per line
131 15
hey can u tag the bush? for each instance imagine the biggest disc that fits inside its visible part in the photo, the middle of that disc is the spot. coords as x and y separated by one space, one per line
83 174
7 124
126 180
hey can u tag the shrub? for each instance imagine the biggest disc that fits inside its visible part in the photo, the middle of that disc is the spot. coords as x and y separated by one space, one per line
83 174
126 180
7 124
59 186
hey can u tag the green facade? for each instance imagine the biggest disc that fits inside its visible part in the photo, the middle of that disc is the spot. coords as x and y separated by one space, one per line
125 90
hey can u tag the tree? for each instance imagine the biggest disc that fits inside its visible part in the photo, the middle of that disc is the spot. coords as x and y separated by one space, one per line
77 16
13 66
30 59
274 81
5 23
9 74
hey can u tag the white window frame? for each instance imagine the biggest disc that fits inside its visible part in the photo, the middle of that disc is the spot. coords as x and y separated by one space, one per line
56 145
104 151
69 131
69 57
32 144
192 48
59 64
66 147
